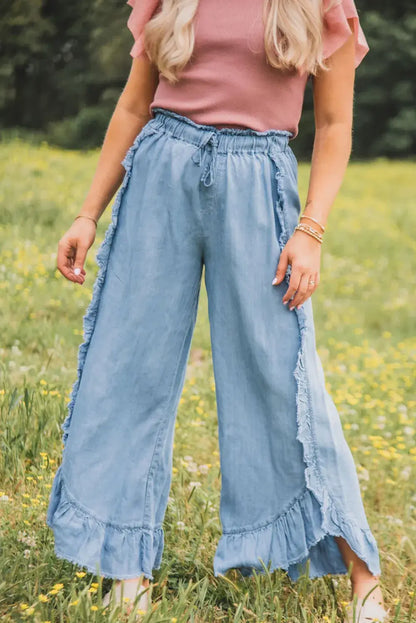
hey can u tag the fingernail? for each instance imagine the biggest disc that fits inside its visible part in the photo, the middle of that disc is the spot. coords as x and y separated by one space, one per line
274 281
77 271
299 306
284 302
291 308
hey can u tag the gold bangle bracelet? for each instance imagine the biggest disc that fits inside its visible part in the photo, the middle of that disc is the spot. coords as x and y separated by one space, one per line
314 220
86 216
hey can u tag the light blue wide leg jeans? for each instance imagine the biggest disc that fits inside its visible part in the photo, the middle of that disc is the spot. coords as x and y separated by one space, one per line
192 196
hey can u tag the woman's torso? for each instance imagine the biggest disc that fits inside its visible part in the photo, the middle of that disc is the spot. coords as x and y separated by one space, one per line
228 81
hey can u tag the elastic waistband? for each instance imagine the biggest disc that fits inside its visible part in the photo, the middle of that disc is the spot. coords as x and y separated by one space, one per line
226 139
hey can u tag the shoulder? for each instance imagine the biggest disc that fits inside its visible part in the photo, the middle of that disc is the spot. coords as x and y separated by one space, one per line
142 12
337 15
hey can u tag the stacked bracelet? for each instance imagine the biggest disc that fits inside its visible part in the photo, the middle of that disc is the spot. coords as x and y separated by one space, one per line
86 216
314 220
309 230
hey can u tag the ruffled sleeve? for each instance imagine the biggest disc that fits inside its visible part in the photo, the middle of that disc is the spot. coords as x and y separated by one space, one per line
142 12
337 29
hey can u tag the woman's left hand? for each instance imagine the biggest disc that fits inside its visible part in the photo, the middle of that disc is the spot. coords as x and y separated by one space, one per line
303 253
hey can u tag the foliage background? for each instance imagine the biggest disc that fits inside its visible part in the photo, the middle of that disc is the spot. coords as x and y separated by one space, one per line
63 65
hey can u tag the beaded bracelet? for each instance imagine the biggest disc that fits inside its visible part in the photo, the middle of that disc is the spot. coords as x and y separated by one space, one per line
86 216
309 230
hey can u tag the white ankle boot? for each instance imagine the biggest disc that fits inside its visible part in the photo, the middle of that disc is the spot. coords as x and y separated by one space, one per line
370 612
125 594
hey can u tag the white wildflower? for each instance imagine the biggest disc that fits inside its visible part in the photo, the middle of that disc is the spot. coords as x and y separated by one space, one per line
193 484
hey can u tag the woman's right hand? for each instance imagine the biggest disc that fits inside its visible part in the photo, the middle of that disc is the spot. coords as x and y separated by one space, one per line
73 248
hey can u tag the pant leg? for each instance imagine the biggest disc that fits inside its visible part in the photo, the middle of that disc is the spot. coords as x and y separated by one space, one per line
110 493
289 483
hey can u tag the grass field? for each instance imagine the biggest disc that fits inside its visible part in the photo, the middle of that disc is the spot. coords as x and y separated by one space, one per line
365 314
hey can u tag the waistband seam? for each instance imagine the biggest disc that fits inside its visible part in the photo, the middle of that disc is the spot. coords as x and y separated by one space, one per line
273 139
260 149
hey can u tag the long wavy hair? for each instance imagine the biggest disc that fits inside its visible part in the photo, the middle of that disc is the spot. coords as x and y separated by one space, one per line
292 35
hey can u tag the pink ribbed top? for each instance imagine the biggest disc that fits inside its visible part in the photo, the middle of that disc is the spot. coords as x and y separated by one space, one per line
228 82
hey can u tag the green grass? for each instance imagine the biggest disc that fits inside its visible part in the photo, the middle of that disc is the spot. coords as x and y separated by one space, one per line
364 312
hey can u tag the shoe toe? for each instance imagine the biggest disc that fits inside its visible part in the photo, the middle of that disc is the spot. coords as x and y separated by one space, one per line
370 612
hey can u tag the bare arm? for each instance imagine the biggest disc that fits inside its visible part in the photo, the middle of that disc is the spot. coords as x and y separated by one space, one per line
333 93
130 115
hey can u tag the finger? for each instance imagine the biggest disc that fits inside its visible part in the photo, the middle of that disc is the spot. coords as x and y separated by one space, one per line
293 285
281 268
304 291
311 288
64 260
301 291
78 268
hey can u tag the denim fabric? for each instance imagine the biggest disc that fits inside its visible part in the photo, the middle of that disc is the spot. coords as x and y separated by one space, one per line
227 199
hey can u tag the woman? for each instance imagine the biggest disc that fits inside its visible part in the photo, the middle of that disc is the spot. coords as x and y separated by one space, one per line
214 95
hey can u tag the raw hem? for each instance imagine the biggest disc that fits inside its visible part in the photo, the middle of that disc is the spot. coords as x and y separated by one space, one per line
334 522
120 551
292 539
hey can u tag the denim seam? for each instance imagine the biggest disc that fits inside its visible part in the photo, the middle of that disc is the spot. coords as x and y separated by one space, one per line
90 514
156 448
251 150
265 525
227 131
306 432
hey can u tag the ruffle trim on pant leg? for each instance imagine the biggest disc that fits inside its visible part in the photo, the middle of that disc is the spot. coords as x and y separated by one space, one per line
101 258
306 530
106 549
335 522
291 539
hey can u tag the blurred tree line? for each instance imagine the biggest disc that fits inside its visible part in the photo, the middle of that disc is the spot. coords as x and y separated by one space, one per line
63 65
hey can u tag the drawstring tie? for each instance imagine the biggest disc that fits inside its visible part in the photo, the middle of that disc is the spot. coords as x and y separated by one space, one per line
207 176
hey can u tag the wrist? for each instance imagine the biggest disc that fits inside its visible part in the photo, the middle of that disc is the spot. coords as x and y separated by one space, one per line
313 214
87 216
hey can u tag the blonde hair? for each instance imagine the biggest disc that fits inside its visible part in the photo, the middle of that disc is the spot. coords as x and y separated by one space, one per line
292 35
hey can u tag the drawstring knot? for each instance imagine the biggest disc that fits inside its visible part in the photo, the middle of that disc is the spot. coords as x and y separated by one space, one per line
207 176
